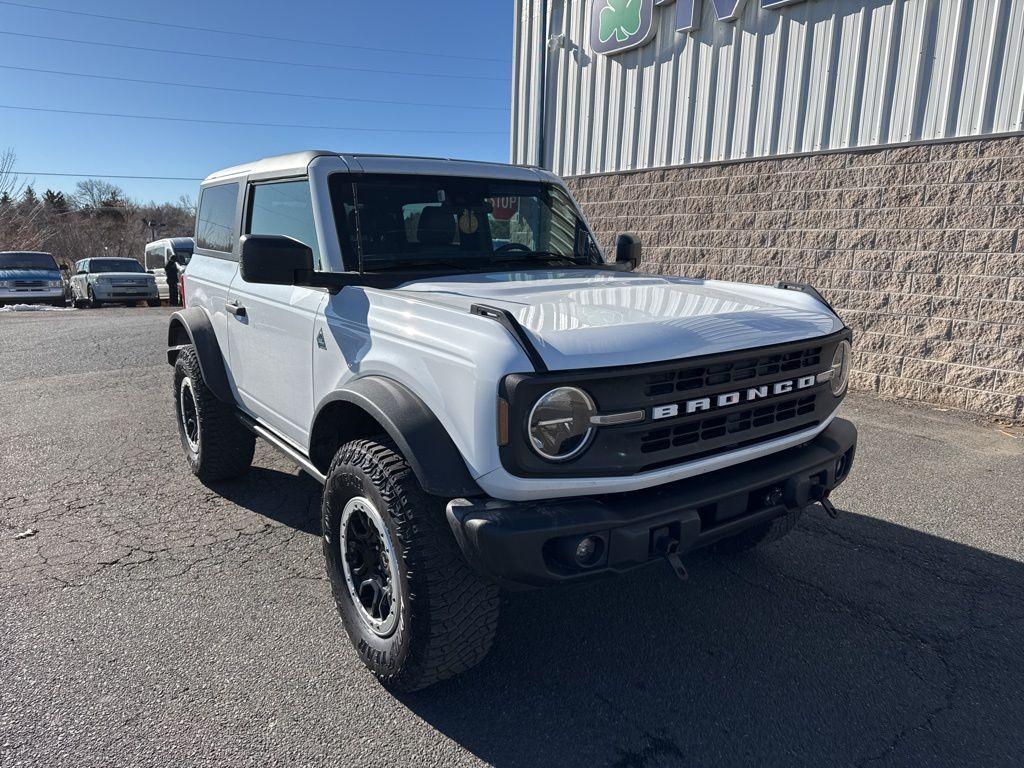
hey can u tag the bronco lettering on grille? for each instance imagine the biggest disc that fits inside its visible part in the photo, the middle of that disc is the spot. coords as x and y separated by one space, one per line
727 399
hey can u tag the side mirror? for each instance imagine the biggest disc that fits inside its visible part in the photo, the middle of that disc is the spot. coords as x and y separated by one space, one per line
274 259
627 251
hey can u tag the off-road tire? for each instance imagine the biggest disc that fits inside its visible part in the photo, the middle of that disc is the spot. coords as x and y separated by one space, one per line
225 447
758 535
448 613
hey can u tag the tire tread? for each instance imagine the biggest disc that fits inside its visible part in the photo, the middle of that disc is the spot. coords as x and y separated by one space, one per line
454 610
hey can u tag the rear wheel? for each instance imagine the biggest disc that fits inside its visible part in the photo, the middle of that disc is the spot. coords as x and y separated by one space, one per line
216 444
413 608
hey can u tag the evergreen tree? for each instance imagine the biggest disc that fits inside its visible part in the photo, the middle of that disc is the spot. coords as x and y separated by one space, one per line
30 197
55 201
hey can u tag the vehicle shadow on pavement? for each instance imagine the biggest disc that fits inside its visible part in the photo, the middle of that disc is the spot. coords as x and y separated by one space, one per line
852 642
288 498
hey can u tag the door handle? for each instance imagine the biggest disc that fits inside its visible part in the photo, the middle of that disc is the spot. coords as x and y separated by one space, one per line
235 309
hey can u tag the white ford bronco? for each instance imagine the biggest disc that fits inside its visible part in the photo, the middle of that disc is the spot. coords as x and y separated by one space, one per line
488 400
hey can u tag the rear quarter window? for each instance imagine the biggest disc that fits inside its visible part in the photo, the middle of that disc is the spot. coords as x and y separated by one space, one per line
216 225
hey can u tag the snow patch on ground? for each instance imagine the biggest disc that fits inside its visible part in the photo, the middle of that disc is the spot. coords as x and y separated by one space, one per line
35 308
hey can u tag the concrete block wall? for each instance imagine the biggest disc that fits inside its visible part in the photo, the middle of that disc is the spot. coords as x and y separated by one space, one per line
920 248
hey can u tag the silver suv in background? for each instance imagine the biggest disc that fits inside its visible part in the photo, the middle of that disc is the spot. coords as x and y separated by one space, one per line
30 277
98 281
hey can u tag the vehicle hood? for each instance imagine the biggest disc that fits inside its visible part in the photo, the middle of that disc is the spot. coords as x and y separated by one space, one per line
592 318
29 274
123 275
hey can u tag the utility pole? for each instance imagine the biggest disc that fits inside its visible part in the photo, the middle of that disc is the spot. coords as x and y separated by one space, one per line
154 226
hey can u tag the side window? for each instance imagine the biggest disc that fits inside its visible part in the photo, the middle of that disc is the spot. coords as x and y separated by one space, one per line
284 208
215 225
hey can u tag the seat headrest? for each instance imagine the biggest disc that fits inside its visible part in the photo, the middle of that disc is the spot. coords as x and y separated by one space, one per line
436 226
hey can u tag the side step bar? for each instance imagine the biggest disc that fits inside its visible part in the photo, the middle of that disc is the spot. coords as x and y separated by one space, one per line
288 450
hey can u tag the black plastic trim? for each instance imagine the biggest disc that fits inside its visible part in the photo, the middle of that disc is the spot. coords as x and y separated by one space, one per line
197 325
609 389
513 542
807 288
419 435
508 321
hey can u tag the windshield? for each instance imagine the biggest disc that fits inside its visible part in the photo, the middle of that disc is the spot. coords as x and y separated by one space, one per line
429 222
27 261
114 265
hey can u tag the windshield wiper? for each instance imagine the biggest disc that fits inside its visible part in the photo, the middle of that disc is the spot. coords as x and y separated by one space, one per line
417 267
531 256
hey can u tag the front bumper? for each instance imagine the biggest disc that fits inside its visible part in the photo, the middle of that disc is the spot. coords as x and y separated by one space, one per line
110 293
30 295
531 543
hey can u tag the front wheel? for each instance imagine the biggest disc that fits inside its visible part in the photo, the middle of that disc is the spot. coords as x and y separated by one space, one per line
93 301
216 444
413 608
152 302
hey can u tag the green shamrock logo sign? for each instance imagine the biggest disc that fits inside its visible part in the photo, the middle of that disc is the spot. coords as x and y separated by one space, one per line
618 25
620 18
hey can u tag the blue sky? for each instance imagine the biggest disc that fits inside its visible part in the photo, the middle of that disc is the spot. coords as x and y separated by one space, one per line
93 145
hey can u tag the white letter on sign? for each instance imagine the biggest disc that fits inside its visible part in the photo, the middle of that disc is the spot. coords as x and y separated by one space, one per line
664 411
703 404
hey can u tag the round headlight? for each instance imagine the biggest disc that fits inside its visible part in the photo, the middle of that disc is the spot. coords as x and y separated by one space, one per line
840 368
559 425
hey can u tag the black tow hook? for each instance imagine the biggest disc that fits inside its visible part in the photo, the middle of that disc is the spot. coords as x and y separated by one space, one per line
829 507
666 545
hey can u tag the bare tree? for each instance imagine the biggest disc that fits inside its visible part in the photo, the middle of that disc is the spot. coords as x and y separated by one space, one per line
98 219
21 217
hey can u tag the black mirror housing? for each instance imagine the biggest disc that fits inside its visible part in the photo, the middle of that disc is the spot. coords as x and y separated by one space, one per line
274 259
627 250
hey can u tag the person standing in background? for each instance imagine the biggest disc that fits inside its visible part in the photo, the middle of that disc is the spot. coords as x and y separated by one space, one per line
171 270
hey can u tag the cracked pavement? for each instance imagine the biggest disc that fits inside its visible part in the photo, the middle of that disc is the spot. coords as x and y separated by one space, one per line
151 620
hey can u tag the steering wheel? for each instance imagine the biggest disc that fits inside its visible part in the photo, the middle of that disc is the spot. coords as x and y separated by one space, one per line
509 247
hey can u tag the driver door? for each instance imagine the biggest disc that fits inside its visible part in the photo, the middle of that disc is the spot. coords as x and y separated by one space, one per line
271 327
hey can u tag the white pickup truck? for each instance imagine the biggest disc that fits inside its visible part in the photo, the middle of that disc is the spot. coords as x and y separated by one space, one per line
488 399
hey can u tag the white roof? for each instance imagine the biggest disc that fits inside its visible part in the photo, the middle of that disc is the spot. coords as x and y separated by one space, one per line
298 163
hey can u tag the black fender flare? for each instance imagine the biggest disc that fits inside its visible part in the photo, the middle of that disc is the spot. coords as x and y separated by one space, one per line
419 435
195 324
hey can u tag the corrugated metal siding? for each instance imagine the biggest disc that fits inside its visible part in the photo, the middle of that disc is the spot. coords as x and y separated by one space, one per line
819 75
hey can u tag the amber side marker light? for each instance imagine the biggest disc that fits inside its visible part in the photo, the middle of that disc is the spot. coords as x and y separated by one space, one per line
502 421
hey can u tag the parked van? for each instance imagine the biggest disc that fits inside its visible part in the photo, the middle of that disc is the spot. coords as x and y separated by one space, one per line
159 251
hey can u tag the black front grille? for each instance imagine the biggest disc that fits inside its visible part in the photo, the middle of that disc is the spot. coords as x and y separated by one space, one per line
737 423
29 283
735 371
706 428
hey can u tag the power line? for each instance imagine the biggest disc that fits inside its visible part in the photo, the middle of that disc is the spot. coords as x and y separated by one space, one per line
279 62
250 91
106 176
236 124
251 35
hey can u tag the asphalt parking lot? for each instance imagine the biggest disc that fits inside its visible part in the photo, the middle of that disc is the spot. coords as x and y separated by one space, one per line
153 621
